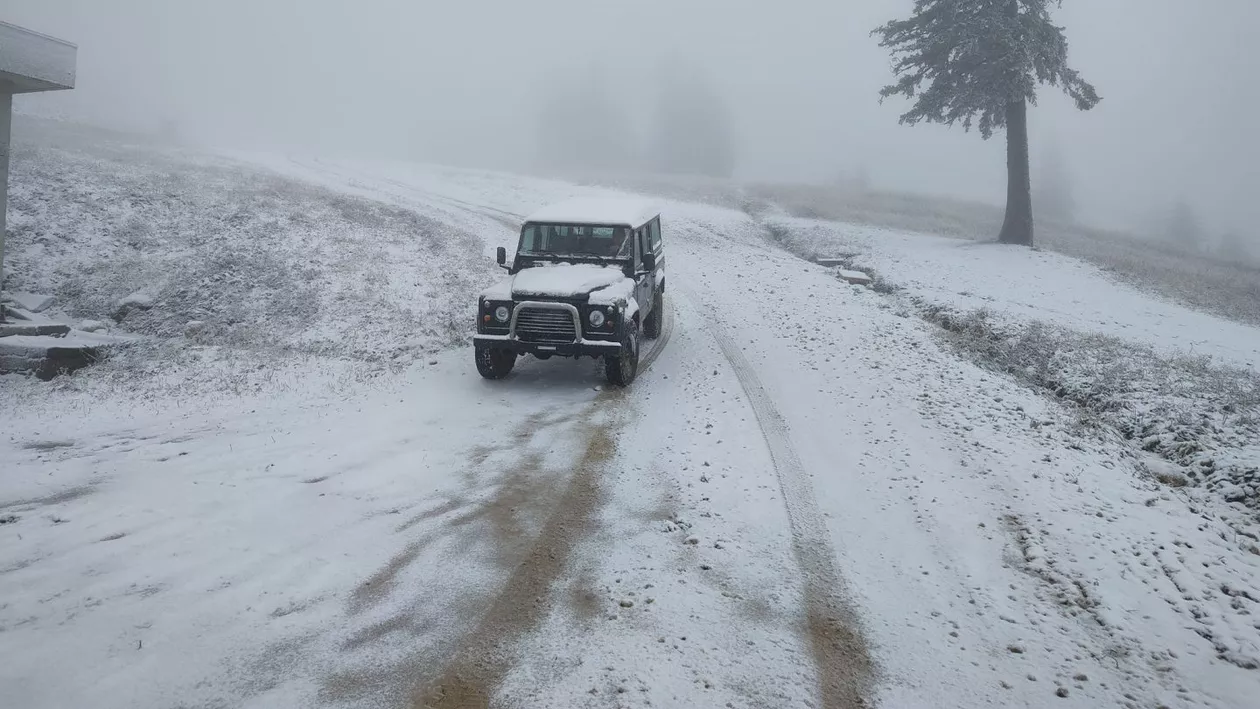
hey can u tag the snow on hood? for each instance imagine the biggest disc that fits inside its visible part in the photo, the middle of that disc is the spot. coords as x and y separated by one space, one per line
565 280
622 291
499 291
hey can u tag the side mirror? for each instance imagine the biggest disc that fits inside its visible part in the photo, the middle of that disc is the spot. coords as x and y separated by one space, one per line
649 261
500 256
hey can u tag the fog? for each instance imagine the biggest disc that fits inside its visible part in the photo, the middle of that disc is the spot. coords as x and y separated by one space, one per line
464 83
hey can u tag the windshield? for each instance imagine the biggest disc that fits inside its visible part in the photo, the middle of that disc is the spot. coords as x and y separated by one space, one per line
575 240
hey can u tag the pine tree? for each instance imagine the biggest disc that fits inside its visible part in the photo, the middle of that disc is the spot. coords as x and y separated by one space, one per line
982 61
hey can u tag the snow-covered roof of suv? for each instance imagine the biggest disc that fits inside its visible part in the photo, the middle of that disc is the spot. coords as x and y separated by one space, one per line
605 211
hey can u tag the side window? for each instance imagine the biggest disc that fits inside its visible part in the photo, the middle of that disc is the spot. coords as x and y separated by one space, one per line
655 228
529 239
642 235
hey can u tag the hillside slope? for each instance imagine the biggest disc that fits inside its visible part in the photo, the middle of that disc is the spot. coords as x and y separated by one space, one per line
264 267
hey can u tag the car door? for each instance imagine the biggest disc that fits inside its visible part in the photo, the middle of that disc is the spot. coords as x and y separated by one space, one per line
644 280
658 247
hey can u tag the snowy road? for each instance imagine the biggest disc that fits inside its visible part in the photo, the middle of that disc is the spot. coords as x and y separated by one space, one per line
804 502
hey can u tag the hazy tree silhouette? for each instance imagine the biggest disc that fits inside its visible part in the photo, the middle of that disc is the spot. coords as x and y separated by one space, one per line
692 129
1235 248
580 126
979 62
1052 189
1182 227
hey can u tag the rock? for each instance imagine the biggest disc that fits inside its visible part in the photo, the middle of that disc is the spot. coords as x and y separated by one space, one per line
1017 649
93 326
1061 692
1233 493
1167 473
45 355
33 329
194 327
136 301
139 299
857 278
30 301
627 604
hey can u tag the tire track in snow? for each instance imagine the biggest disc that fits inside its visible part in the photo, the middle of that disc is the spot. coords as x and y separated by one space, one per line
487 654
844 664
658 346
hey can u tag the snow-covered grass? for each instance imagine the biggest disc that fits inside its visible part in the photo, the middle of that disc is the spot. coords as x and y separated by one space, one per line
1224 288
1202 417
209 258
1025 285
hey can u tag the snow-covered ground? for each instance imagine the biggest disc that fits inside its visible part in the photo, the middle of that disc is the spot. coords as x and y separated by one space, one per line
1028 284
259 264
810 498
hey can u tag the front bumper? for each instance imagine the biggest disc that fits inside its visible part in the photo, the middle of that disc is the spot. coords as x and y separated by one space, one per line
581 348
578 347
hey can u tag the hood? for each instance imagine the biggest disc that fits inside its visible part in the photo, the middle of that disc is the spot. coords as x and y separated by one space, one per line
565 280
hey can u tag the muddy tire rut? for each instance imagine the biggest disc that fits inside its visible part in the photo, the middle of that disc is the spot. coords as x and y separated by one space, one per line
487 654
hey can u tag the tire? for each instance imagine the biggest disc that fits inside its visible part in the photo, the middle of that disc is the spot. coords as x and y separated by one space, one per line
494 363
623 368
652 326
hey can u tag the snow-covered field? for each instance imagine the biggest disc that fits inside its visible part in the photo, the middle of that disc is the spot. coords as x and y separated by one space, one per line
812 497
1027 285
1205 281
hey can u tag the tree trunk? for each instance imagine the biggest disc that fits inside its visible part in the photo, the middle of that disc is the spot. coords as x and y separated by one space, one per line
1018 227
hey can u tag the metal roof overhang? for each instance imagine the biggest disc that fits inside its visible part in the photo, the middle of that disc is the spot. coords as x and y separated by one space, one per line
30 61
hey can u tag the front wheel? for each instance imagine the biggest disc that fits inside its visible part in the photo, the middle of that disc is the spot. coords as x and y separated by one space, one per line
622 368
494 363
652 326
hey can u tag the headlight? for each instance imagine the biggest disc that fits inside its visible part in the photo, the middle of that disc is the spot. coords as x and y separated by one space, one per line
596 318
502 313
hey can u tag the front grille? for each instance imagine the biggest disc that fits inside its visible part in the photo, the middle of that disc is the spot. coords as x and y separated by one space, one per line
545 325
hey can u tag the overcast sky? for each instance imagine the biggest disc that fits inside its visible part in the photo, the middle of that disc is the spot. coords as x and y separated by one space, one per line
460 81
